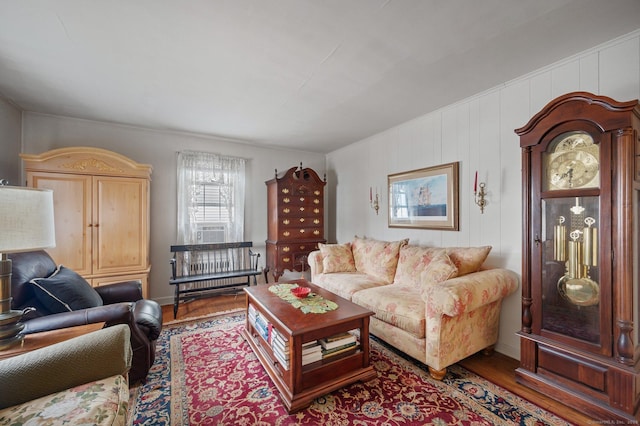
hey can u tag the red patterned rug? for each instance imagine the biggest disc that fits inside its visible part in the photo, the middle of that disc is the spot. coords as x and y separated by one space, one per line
206 374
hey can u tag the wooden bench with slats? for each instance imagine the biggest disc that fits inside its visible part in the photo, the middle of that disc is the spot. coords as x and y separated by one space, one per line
198 270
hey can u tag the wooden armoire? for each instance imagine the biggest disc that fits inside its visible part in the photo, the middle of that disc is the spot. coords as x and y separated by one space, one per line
101 210
580 336
295 219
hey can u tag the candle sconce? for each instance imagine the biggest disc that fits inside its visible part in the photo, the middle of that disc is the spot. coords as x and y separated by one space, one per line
374 202
479 197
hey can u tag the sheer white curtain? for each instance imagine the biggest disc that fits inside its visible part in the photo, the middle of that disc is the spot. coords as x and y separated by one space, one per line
198 170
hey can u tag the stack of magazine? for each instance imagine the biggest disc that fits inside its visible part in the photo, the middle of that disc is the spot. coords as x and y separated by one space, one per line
338 344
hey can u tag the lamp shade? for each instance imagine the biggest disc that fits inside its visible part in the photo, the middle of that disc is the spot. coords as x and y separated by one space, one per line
26 219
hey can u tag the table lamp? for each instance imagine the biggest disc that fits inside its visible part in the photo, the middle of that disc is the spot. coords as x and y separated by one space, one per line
26 224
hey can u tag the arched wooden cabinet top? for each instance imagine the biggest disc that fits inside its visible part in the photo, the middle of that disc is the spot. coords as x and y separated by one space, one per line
86 160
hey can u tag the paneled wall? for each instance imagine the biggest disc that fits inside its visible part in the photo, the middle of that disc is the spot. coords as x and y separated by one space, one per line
479 133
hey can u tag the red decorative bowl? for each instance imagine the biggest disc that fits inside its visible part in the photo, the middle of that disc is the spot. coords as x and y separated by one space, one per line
301 292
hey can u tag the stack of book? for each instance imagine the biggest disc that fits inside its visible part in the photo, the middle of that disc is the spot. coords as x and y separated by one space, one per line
261 325
338 344
311 352
280 347
279 344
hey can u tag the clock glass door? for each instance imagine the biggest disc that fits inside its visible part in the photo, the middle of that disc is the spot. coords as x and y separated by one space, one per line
570 267
571 277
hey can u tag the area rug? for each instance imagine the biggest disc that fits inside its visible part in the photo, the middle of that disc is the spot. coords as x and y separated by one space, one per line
206 374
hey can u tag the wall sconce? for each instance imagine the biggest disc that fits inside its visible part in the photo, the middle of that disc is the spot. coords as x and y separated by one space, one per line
479 196
374 202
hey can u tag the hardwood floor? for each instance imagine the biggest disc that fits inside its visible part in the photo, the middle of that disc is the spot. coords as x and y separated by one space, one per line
497 368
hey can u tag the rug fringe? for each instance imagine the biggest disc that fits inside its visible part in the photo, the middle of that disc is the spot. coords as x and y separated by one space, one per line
201 317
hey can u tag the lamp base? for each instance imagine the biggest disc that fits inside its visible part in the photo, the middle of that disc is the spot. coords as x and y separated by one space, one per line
10 342
10 326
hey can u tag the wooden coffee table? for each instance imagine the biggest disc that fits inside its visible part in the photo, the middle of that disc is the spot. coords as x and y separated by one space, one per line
300 384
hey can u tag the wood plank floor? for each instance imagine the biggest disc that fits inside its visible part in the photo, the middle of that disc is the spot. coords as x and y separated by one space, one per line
497 368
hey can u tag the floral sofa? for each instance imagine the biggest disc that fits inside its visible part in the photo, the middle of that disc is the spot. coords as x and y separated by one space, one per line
435 304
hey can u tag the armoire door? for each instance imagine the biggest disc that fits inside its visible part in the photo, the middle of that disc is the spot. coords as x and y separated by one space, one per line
120 224
72 214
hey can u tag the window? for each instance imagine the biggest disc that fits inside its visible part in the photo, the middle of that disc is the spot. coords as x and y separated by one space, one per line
210 198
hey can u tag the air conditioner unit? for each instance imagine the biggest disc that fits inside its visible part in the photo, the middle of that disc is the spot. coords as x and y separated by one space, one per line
211 233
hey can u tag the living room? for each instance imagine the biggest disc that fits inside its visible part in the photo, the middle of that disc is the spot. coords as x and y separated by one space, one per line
477 130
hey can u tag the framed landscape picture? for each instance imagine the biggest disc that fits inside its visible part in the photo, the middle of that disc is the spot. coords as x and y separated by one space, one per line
425 198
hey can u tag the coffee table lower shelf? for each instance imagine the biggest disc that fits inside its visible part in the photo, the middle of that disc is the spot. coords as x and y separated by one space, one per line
316 379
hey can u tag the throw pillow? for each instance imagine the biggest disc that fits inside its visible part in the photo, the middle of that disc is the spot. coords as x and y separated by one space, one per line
412 261
377 258
440 269
468 259
337 258
65 291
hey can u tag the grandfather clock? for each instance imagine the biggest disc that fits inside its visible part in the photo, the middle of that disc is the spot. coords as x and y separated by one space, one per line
581 244
295 219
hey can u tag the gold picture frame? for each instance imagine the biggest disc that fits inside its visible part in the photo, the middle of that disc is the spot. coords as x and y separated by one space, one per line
425 198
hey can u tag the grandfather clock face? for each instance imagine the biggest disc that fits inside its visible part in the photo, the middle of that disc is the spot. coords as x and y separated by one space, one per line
572 162
570 219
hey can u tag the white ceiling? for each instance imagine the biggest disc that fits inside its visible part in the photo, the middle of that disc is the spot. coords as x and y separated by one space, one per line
308 74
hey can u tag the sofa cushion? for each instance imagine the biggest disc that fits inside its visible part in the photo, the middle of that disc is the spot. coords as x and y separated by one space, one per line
439 270
412 261
468 259
396 304
65 291
345 284
377 258
337 258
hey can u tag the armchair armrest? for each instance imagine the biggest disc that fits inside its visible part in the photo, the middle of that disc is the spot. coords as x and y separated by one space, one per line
118 313
469 292
84 359
126 291
315 263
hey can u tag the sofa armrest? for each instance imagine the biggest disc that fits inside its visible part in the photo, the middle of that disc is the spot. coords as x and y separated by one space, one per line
126 291
117 313
84 359
469 292
315 263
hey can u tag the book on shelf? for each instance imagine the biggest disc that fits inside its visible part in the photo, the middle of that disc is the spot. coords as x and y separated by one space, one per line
311 347
338 340
283 355
283 347
262 329
277 341
283 361
339 350
338 336
311 357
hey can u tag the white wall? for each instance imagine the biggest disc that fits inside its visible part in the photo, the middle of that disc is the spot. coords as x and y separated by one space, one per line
10 134
45 132
479 133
